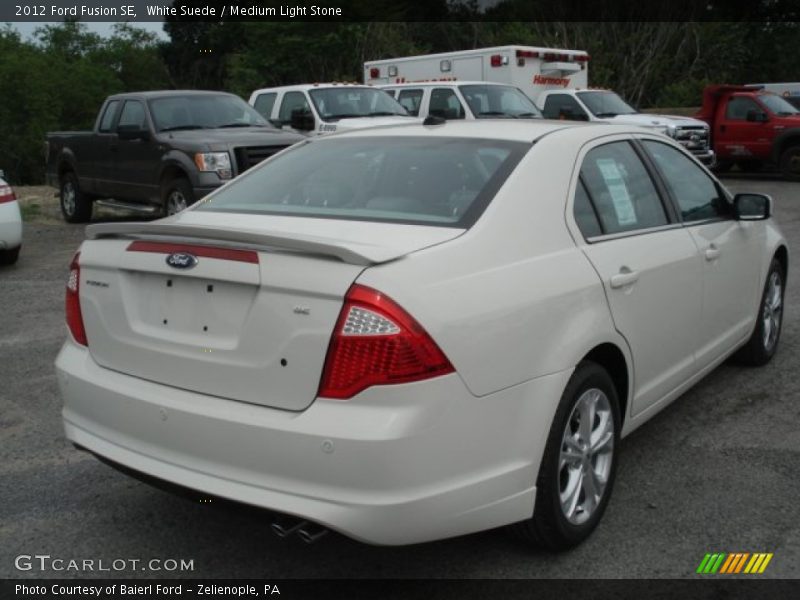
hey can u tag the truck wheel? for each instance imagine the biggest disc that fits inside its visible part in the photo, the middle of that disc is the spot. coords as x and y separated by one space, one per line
75 205
750 166
177 195
577 470
790 163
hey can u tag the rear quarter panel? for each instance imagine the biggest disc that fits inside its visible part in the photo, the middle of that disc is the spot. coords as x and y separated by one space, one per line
513 298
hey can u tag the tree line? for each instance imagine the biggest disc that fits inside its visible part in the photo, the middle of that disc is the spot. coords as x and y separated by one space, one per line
58 79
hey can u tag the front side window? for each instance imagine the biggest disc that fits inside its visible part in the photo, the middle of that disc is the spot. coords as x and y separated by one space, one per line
410 100
739 106
489 101
695 192
621 190
426 181
444 103
563 106
293 102
133 116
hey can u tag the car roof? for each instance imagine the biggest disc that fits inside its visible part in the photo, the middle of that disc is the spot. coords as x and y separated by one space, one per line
304 87
168 93
515 130
408 84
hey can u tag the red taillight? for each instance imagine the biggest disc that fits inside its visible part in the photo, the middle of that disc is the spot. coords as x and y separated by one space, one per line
527 54
376 342
582 58
6 194
374 73
496 60
73 304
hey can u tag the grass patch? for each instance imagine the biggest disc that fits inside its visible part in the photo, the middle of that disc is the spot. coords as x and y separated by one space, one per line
30 210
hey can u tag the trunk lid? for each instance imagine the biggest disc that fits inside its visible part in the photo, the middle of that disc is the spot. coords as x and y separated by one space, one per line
251 320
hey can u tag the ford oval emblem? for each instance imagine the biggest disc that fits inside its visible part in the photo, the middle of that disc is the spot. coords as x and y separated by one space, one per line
182 260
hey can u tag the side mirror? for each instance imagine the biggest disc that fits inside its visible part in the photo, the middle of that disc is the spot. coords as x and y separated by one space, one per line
302 120
132 132
756 116
752 207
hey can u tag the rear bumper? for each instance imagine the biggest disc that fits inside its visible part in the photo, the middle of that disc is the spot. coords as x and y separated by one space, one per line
10 225
396 465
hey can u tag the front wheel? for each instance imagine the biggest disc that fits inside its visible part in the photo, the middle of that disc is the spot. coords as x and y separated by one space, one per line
790 163
579 463
9 257
75 205
177 194
763 343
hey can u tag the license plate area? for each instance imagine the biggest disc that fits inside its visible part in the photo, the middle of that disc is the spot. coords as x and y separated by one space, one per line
189 310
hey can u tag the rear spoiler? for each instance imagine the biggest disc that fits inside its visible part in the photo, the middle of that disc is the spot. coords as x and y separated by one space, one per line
351 253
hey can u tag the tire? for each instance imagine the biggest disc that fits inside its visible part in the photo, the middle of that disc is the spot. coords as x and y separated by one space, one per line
790 163
763 343
176 195
9 257
722 166
556 526
75 205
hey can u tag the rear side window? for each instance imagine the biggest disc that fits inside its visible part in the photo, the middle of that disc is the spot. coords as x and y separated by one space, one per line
108 116
264 104
426 181
585 216
695 192
410 100
621 190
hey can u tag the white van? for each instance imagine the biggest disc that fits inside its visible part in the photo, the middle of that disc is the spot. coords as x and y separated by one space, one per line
320 108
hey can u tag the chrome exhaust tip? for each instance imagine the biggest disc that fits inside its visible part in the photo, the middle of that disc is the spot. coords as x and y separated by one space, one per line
286 526
311 533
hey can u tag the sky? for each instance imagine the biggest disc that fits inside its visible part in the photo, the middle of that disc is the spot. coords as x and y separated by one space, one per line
103 29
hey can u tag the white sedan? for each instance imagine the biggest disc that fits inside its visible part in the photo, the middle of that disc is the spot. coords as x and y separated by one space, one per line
10 224
415 332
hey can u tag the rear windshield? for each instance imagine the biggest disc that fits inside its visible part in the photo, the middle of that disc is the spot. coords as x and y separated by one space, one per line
427 181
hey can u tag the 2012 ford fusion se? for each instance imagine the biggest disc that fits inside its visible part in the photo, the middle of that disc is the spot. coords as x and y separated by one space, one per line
414 332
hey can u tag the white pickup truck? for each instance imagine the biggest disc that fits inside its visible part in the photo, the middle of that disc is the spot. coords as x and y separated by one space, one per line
320 108
605 105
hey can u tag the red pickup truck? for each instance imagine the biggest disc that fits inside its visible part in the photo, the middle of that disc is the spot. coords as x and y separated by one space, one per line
751 127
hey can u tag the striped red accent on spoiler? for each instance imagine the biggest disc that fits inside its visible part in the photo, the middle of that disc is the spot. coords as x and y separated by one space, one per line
248 256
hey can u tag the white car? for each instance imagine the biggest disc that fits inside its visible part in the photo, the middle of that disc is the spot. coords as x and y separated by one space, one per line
10 224
410 333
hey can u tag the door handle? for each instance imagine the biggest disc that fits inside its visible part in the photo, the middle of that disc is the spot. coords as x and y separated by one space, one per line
624 278
712 252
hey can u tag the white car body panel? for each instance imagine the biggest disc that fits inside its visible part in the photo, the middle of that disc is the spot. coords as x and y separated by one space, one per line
515 302
10 223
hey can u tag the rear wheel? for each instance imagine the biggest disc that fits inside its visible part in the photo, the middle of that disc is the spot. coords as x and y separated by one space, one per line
762 345
177 194
75 205
579 463
790 163
9 257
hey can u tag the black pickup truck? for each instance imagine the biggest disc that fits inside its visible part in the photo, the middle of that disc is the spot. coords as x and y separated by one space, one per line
158 152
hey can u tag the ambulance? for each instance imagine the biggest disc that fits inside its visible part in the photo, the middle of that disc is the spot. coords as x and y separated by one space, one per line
533 70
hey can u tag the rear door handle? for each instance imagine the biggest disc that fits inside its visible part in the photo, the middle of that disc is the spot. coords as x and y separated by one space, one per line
712 253
624 278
